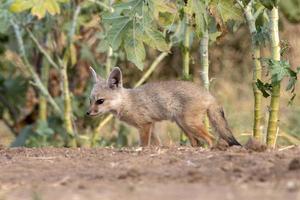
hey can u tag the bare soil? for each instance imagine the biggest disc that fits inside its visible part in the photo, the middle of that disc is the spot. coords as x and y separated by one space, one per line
149 173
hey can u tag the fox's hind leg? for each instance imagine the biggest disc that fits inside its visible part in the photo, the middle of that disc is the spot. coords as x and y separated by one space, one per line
192 139
202 132
194 126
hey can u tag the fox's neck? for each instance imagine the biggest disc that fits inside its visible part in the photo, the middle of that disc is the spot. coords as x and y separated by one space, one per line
124 108
121 107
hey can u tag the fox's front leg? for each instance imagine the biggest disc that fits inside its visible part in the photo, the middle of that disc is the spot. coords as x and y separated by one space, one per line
145 134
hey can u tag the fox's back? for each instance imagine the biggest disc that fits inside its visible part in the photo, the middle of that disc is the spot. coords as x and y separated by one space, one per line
166 100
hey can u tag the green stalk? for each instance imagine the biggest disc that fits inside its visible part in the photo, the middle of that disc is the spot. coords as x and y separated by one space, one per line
186 63
109 58
204 59
186 51
37 81
257 72
42 50
151 69
42 99
68 112
205 67
140 82
275 96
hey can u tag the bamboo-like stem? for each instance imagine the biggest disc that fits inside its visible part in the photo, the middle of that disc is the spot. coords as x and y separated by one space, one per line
37 81
140 82
205 67
204 59
275 96
42 99
186 51
68 112
67 116
42 50
257 71
151 69
109 58
185 63
292 139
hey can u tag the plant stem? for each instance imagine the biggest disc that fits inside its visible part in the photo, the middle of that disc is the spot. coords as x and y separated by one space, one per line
141 81
186 51
151 69
108 65
42 50
204 59
275 96
37 81
205 67
257 72
42 99
68 112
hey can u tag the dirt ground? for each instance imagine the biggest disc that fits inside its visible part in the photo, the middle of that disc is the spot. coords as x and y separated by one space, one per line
149 173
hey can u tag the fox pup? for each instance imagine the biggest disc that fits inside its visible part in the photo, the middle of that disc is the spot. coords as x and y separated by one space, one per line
183 102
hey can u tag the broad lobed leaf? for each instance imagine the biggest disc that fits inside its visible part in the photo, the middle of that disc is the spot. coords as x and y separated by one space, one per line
131 25
38 8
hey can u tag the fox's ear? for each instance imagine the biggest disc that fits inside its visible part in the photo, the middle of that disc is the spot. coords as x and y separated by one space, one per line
94 75
115 78
96 78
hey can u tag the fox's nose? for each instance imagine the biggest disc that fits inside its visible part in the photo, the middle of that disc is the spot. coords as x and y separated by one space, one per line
88 113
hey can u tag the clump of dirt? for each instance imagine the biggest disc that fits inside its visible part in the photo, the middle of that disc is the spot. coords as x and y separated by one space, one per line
295 164
148 173
254 145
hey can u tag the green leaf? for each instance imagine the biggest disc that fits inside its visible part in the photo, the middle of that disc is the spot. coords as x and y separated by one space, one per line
52 7
131 8
292 79
196 9
226 10
135 51
38 8
22 137
21 5
265 88
261 36
269 4
213 33
279 69
117 32
155 39
42 128
164 11
291 84
4 20
131 25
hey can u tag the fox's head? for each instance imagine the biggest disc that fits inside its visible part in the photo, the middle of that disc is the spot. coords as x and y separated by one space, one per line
106 94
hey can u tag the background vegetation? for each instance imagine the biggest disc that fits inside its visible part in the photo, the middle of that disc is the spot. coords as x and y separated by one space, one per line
231 46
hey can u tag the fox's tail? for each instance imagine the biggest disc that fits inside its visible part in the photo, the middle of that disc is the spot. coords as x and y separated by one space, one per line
217 118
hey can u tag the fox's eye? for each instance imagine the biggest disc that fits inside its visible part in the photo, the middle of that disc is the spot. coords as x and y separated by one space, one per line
99 101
